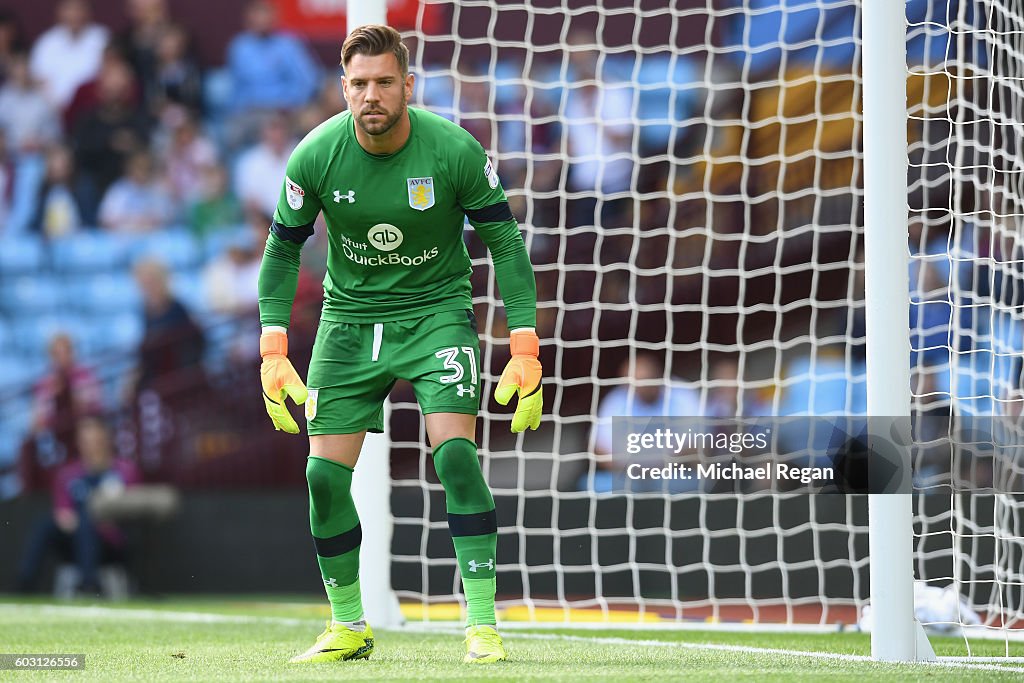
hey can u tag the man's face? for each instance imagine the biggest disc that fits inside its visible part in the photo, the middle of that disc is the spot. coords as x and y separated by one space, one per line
376 92
73 14
260 19
19 72
94 446
275 135
114 83
140 169
61 352
648 371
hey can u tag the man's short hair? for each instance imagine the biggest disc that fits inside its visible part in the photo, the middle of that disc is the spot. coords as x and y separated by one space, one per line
372 40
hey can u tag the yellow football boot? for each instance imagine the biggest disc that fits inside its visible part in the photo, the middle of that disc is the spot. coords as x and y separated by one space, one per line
484 646
338 643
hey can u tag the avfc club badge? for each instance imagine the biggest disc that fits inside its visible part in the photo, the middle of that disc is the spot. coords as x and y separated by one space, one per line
421 193
311 398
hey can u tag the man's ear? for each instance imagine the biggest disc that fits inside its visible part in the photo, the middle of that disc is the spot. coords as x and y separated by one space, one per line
410 81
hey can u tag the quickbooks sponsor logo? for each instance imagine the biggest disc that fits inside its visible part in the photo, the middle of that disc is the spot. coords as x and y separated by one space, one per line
385 236
389 259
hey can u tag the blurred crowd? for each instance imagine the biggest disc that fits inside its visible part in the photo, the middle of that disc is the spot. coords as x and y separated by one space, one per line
126 158
680 204
133 181
676 201
117 131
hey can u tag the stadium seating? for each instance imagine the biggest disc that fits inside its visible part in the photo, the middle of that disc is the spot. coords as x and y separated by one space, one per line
215 244
175 248
83 285
31 294
22 255
105 292
90 252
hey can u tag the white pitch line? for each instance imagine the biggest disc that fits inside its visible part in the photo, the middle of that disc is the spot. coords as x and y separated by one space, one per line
952 663
213 618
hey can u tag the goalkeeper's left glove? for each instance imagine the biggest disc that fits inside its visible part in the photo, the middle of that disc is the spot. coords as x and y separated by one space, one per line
522 375
279 380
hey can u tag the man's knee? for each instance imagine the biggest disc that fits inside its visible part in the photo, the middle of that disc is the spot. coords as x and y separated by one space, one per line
325 476
458 468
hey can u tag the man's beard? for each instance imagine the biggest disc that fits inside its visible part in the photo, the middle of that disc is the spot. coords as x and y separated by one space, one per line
381 127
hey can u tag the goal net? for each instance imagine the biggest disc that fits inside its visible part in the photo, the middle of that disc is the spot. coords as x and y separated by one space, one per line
688 177
966 198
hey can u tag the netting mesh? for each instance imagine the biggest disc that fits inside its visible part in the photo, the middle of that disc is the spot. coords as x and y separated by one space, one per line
967 205
688 180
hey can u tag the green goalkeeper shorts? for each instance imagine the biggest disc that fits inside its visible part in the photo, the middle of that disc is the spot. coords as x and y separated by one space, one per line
355 365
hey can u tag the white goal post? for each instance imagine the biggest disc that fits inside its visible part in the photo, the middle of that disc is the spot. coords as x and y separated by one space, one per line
371 480
896 635
810 207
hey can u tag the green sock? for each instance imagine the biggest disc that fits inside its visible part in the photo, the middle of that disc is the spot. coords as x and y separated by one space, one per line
472 523
336 535
479 601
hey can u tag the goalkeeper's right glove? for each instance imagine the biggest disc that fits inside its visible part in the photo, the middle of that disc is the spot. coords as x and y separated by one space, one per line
279 379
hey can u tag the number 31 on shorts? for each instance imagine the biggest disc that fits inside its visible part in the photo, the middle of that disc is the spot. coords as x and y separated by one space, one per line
450 356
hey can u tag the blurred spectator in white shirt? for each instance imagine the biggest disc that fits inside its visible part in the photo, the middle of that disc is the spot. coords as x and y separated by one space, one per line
27 117
600 135
261 168
600 130
230 279
230 284
138 202
189 153
647 392
68 55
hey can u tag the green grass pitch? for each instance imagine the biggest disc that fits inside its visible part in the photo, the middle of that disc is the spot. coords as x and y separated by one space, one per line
239 640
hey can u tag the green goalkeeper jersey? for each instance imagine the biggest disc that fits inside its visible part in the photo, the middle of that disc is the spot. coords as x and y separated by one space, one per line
395 223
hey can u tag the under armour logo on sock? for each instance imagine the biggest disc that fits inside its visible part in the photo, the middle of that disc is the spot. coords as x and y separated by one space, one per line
331 582
474 565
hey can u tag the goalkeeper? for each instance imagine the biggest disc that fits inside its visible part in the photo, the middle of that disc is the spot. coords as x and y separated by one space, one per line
395 185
